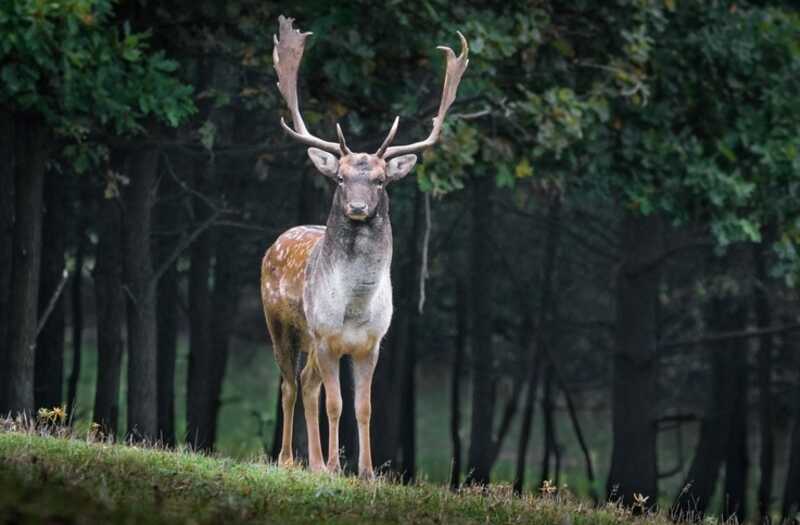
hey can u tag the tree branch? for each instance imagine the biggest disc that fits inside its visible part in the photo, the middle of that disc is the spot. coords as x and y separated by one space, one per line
52 303
729 336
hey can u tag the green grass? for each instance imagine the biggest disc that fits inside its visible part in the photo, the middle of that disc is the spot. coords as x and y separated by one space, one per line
46 479
247 416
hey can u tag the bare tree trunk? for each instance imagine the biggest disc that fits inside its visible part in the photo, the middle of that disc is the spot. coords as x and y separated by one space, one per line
735 494
141 289
579 436
77 304
277 432
633 459
224 299
110 304
7 155
408 426
483 393
49 359
791 491
212 290
541 338
455 385
348 431
765 399
715 430
549 433
29 179
167 346
198 403
527 421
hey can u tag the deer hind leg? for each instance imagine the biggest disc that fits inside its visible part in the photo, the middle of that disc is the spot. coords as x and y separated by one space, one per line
363 369
329 369
310 379
286 357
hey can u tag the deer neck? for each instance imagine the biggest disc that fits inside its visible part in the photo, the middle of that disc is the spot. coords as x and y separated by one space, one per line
357 255
365 246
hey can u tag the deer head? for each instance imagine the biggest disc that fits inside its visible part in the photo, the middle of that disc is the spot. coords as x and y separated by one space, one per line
361 177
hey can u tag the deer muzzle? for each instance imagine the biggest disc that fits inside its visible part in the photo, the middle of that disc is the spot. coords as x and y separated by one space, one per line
356 210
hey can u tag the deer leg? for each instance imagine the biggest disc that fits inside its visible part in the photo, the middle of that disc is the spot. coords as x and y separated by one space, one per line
363 368
288 398
285 356
329 369
310 380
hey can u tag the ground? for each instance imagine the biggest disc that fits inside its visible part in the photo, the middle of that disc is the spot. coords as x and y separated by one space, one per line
45 479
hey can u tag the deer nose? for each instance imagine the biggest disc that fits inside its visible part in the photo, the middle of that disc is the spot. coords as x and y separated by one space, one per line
357 208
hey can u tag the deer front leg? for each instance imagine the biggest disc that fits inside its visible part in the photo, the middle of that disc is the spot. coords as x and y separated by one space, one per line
363 369
310 380
329 369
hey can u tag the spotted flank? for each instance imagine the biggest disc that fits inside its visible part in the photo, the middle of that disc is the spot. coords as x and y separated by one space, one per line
283 270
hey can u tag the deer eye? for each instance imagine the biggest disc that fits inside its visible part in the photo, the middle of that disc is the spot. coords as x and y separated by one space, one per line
379 183
340 179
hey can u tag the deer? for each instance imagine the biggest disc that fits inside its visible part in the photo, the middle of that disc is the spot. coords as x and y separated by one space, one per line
326 290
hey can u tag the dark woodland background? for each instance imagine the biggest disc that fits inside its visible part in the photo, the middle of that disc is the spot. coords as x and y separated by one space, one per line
605 237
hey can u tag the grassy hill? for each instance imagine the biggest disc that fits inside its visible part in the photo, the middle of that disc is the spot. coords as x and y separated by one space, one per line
45 479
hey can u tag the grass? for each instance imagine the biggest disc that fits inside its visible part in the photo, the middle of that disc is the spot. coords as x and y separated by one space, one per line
45 479
247 416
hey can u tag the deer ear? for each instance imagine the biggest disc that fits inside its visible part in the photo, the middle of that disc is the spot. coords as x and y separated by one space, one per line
326 163
400 166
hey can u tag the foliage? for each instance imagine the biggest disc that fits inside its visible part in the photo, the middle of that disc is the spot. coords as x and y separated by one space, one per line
718 143
70 64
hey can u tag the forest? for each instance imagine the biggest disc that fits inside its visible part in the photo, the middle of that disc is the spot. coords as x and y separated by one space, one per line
594 272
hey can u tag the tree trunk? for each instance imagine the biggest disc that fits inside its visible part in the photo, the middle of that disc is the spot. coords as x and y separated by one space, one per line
225 301
110 305
527 421
348 429
791 491
49 360
765 400
483 377
633 459
723 314
141 287
277 430
735 494
408 427
548 431
28 182
167 346
7 154
455 386
408 421
542 336
198 396
77 303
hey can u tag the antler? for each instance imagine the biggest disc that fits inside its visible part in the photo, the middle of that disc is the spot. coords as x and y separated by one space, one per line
286 57
456 65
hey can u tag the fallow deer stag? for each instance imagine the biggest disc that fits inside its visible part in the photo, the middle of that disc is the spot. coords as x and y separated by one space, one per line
326 289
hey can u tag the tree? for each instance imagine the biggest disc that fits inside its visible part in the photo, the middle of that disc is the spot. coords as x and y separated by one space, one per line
49 355
106 80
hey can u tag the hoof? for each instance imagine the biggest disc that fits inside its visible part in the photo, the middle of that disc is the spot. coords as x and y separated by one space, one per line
334 468
318 468
366 475
285 462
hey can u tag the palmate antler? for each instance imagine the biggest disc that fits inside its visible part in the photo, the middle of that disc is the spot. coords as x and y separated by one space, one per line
286 57
456 65
288 53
